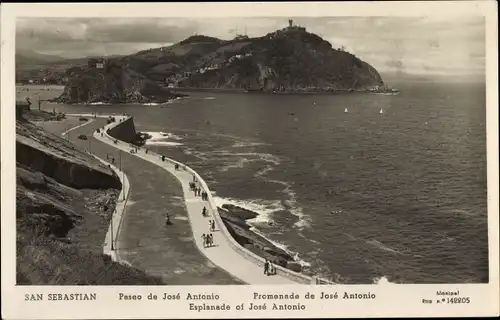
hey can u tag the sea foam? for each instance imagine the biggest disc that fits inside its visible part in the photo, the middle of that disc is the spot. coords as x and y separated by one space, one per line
161 139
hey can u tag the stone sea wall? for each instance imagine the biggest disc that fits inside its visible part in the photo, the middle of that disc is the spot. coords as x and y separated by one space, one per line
125 131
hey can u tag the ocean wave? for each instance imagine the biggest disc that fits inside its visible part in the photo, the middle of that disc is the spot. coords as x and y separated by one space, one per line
160 139
163 143
208 98
382 280
100 103
237 165
247 144
267 157
383 247
290 204
158 135
263 208
197 154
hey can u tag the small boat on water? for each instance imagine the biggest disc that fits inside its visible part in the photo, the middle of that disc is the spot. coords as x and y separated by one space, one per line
381 111
345 111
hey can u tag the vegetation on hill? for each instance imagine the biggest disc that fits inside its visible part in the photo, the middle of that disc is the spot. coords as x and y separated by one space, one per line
288 60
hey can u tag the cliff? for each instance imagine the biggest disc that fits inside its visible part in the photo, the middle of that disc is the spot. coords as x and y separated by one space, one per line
113 83
288 60
64 201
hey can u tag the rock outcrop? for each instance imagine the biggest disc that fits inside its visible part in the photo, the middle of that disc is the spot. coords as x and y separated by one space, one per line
50 173
112 83
235 217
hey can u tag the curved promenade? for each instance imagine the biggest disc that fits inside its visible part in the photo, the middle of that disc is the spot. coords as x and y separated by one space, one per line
226 252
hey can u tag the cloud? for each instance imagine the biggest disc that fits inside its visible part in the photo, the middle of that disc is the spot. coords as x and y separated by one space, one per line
410 44
81 37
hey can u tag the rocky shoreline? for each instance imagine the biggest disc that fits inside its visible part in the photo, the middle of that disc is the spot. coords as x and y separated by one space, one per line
235 219
305 91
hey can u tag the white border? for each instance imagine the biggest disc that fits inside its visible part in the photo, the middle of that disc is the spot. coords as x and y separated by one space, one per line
392 300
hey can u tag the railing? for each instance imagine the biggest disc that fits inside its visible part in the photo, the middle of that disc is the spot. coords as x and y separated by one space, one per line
247 254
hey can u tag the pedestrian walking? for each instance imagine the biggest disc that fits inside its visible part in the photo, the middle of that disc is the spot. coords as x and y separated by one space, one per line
208 240
211 239
213 225
266 267
210 225
204 211
272 270
204 237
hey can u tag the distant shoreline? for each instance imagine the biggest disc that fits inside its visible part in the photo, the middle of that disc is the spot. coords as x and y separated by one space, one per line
323 92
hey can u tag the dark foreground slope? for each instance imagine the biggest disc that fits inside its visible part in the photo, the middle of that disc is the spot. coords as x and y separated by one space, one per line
288 60
64 201
115 83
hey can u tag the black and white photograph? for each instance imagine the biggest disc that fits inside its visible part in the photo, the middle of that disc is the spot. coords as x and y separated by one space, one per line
257 150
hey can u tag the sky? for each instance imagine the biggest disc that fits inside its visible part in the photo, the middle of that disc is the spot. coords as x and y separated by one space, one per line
412 45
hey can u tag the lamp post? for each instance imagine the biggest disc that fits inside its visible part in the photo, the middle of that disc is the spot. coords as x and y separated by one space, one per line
123 179
112 246
123 175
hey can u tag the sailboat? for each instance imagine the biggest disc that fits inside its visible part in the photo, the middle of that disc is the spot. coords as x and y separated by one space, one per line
381 111
345 111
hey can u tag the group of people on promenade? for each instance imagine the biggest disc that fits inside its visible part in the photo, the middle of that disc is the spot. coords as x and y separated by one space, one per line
208 240
197 191
269 268
110 158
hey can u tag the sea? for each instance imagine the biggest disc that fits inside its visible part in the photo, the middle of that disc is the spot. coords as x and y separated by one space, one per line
359 188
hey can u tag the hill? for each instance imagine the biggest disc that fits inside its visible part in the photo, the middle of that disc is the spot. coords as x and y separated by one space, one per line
112 82
36 67
27 57
287 60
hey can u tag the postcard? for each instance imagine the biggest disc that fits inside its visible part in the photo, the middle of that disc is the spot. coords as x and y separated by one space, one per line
249 160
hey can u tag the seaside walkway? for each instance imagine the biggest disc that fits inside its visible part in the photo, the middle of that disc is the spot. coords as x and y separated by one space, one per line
142 240
222 253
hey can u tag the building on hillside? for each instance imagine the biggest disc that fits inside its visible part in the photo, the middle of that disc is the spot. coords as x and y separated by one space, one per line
291 26
94 63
